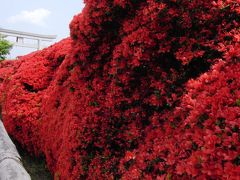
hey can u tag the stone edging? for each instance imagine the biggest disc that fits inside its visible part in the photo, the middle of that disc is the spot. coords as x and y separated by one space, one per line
11 167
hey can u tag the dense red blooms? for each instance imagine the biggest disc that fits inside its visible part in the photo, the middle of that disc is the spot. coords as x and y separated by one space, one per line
24 84
141 90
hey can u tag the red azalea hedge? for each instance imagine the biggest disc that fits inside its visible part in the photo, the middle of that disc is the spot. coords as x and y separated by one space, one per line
142 90
24 83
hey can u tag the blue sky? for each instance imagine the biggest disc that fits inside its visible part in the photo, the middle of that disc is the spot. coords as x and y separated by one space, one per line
50 17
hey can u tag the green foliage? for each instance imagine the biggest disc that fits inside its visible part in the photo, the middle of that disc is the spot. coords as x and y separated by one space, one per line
238 102
5 47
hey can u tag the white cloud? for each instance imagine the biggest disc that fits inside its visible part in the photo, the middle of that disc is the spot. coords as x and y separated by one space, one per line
36 17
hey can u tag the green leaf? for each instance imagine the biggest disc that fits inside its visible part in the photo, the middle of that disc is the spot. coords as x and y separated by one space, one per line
238 102
5 47
72 89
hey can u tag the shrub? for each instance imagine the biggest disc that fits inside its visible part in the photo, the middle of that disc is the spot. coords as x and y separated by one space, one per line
139 93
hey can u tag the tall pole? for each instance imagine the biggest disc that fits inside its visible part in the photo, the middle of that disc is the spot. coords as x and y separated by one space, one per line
39 44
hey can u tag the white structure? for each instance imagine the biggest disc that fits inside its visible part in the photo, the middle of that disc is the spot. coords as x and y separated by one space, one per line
20 38
11 167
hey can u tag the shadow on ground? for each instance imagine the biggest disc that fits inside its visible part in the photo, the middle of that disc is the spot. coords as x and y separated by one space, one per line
36 167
